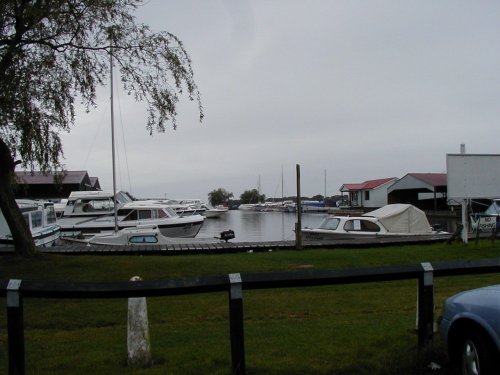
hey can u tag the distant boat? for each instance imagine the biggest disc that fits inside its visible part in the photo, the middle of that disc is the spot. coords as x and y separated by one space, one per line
185 207
313 206
247 206
214 212
393 220
41 219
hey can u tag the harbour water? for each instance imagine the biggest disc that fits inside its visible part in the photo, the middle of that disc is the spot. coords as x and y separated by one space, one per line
252 226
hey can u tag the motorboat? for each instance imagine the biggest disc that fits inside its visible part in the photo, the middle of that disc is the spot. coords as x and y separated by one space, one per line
83 206
149 234
214 212
247 206
185 207
282 206
41 219
393 220
90 203
136 214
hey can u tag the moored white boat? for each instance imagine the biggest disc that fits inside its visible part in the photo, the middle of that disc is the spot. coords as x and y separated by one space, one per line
149 235
394 220
247 206
214 212
135 214
185 207
41 219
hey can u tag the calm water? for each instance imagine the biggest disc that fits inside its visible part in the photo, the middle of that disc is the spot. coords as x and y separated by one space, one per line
251 226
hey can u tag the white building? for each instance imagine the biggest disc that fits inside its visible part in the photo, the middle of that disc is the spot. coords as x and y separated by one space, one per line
368 194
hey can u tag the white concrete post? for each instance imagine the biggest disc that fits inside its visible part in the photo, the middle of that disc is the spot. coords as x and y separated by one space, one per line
138 343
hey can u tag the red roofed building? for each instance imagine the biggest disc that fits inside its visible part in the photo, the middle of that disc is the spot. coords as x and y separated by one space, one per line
426 191
370 194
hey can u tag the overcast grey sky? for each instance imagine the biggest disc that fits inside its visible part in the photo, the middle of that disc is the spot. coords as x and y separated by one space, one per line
359 89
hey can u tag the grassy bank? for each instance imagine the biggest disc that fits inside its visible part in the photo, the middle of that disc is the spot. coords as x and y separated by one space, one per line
345 329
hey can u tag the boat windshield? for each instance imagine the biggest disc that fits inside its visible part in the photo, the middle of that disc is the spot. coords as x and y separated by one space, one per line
99 205
33 219
170 211
361 225
50 215
122 198
330 223
146 213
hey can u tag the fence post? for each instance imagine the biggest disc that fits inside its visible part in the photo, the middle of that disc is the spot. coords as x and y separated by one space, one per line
15 328
236 324
425 305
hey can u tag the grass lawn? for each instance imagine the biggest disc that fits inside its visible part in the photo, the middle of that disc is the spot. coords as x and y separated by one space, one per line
341 329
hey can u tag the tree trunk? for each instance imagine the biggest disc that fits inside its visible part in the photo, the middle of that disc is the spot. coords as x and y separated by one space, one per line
23 241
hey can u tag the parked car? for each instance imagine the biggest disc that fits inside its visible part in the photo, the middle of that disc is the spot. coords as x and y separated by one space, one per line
470 329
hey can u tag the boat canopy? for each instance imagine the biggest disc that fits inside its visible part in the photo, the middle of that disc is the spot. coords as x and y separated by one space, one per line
402 218
494 208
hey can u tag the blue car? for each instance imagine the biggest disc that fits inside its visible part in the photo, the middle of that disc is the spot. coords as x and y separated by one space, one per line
470 329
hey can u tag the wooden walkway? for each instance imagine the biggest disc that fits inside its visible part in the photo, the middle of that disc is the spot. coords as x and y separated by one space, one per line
74 248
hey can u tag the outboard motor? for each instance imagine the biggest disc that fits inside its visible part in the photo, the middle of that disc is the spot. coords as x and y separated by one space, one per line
437 227
227 235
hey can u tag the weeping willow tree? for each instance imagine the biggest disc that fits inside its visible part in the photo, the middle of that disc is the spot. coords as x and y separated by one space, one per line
55 51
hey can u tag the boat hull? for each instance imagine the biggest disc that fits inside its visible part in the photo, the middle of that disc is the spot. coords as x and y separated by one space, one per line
330 235
183 227
143 236
47 237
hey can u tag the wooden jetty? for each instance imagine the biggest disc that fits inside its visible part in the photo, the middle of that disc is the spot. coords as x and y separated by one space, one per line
75 248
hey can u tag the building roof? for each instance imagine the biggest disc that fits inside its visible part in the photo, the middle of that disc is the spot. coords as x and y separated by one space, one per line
434 179
367 185
422 181
40 178
94 181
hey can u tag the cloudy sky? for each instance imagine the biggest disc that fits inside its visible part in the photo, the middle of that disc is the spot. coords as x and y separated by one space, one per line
349 90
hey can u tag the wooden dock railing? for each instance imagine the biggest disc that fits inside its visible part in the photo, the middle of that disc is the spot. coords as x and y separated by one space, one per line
16 290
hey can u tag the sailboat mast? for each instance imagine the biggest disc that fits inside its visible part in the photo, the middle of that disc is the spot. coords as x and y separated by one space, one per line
281 183
325 186
113 138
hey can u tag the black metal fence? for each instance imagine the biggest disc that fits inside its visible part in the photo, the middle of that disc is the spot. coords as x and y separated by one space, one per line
16 290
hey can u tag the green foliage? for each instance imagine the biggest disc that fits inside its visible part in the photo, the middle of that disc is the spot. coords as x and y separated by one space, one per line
252 196
219 196
318 197
52 52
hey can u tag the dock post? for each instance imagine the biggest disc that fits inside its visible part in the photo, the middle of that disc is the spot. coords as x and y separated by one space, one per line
236 324
425 305
298 224
15 328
